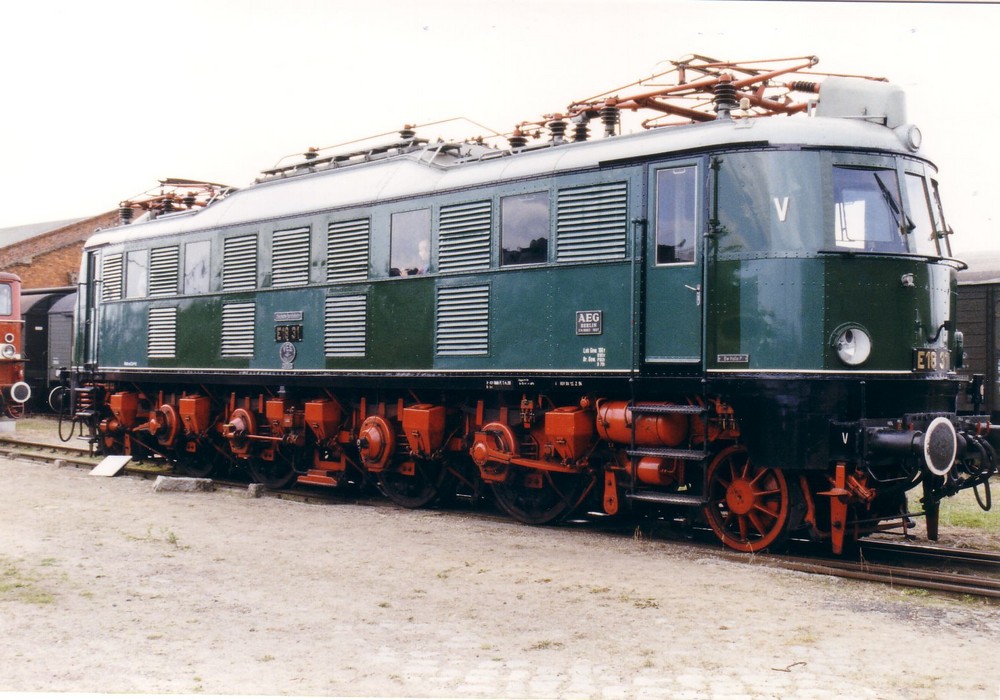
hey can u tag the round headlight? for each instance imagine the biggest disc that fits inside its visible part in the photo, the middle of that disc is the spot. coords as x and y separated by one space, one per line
8 351
9 338
853 346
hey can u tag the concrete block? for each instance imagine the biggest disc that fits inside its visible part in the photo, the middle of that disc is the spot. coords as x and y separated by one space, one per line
182 483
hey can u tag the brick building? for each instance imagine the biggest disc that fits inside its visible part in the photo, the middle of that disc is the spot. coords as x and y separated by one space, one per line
48 255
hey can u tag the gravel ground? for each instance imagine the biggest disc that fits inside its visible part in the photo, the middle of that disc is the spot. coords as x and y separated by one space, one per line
107 586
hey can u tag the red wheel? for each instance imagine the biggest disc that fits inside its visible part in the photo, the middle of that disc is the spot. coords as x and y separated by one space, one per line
749 507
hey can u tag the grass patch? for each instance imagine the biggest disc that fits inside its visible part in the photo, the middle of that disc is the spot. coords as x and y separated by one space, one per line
962 510
19 586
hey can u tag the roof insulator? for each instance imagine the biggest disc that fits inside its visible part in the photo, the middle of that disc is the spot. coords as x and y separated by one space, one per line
609 117
558 129
517 139
725 97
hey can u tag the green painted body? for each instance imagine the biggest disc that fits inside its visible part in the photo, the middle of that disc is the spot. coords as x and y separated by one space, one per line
754 299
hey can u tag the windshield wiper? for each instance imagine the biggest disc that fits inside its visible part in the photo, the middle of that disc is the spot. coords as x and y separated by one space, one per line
894 207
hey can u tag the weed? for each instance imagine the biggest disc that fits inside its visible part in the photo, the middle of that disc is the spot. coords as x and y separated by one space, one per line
546 644
22 587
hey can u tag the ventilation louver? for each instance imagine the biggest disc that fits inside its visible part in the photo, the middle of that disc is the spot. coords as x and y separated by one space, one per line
163 271
463 321
239 263
592 223
290 258
464 237
238 329
346 321
347 251
111 277
162 340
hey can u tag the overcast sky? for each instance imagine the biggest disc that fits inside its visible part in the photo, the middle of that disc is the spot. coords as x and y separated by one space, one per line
102 99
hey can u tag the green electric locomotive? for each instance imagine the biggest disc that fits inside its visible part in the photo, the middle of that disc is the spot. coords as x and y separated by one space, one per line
745 317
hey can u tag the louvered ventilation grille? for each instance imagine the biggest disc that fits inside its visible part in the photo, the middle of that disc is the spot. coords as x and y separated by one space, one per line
464 237
592 223
162 341
237 329
239 263
347 251
290 257
463 321
163 271
345 327
111 276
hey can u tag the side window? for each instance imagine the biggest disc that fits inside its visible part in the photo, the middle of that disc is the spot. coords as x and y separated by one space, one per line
922 238
676 214
6 300
410 244
136 273
867 212
197 263
524 229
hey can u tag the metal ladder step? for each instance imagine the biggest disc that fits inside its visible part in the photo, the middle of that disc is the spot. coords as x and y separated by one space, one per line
690 455
668 499
667 409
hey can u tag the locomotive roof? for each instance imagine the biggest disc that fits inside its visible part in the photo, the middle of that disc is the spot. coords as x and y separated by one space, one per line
431 169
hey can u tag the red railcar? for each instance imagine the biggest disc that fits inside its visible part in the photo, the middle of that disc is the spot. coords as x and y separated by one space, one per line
14 392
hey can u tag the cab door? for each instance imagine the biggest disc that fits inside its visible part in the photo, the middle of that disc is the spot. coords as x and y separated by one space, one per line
674 298
86 342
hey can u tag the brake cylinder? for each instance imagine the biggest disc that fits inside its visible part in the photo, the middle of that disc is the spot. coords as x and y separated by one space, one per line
615 420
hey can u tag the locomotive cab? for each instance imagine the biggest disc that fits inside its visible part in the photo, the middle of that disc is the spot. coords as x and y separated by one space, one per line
15 392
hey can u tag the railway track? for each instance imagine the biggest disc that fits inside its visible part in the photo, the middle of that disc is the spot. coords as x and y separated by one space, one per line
921 568
949 570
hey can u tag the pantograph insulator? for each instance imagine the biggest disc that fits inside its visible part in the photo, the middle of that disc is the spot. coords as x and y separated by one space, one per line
609 117
725 97
517 140
558 129
804 86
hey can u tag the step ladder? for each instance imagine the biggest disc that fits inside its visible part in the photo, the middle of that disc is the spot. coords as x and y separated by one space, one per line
686 499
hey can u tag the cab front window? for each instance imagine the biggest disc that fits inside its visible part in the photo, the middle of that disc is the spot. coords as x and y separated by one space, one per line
868 214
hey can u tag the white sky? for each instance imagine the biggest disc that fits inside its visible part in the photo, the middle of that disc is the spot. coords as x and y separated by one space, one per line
102 99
